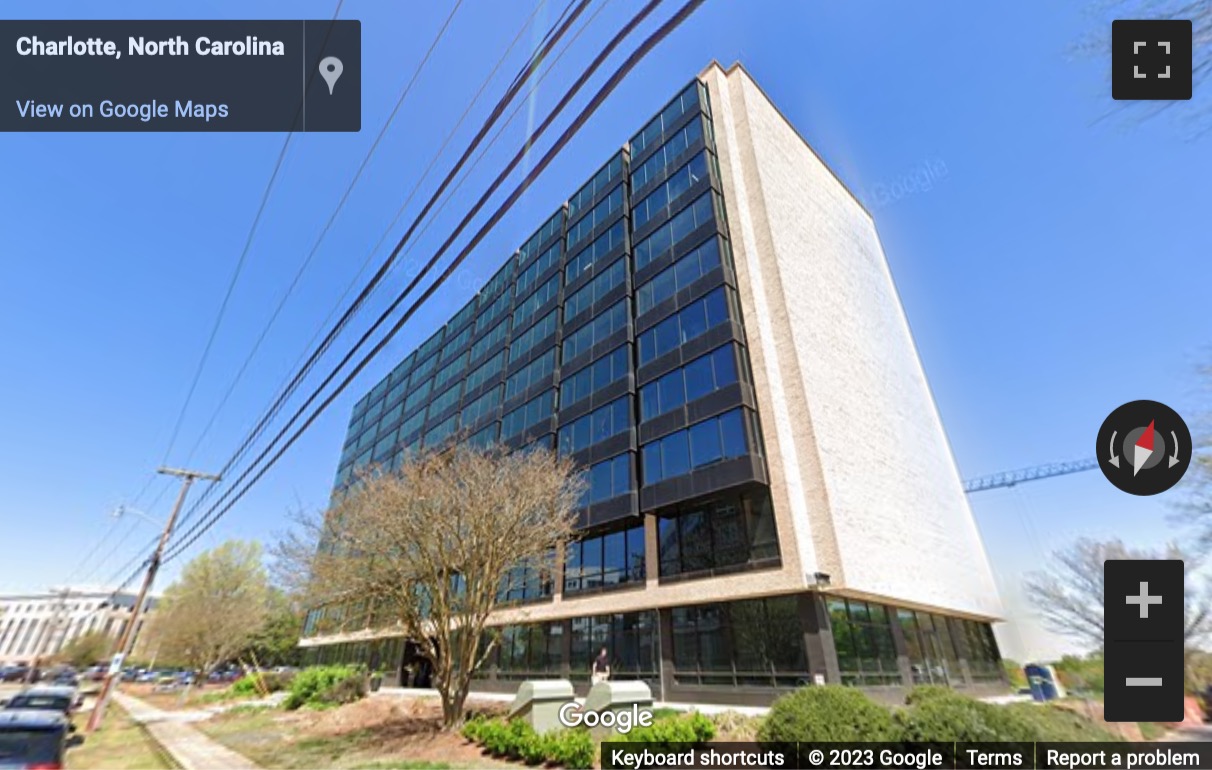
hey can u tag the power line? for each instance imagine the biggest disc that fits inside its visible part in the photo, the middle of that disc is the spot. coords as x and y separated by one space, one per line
549 41
327 227
235 277
432 162
191 536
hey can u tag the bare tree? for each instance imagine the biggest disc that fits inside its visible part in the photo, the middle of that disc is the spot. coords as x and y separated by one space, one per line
432 548
1194 118
1194 506
1069 594
215 608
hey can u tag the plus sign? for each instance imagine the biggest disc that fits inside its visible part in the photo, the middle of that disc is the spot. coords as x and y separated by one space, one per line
1144 600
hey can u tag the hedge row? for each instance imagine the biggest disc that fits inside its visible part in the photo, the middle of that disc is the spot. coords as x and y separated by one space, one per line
575 748
518 740
834 713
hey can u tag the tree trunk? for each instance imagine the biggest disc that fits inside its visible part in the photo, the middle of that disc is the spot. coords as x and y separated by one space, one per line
453 698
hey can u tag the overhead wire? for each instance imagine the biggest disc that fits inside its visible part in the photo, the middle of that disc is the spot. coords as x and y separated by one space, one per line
220 509
374 146
240 262
572 11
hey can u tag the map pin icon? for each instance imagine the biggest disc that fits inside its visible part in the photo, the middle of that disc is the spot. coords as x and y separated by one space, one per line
330 70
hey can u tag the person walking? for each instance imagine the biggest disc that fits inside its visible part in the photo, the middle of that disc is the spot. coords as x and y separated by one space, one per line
601 667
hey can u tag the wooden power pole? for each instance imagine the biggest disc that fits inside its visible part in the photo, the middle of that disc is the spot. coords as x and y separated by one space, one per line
127 641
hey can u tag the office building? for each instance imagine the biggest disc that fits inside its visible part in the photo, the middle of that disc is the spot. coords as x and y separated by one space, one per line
709 327
43 624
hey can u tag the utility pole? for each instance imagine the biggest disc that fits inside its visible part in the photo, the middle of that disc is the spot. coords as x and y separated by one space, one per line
153 566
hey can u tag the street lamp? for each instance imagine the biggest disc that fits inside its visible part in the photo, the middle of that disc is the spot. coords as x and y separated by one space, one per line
122 510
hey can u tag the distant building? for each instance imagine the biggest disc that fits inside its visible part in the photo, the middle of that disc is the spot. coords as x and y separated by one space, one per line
42 624
709 328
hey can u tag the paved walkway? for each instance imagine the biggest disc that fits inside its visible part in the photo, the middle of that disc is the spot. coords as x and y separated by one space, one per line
190 748
705 708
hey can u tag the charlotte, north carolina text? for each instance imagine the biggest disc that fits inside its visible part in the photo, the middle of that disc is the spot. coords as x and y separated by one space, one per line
139 46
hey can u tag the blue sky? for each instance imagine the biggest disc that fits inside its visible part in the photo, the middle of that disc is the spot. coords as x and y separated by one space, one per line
1023 268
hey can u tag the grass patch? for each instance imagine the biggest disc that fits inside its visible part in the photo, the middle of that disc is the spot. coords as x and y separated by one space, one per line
406 764
1151 731
120 744
276 741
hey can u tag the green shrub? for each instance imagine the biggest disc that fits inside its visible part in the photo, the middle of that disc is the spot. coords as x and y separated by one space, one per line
326 685
735 726
348 690
925 692
687 728
1059 724
570 748
949 716
518 740
265 681
827 713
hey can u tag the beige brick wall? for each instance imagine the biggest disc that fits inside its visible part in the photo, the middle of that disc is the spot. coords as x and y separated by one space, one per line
863 476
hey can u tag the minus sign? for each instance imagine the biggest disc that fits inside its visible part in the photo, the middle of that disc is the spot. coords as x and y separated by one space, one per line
1144 681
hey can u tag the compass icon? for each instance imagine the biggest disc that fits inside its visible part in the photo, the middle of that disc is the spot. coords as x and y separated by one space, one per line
1144 447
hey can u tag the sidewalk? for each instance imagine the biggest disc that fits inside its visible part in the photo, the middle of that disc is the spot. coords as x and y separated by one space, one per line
191 749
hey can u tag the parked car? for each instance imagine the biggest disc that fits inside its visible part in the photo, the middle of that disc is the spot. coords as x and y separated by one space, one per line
32 738
44 698
14 673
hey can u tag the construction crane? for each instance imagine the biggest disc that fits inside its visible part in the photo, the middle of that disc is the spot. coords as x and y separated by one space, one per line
1034 473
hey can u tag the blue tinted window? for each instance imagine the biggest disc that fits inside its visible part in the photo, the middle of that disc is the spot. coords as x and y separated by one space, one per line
445 400
490 340
670 152
541 265
450 371
534 372
601 327
530 413
582 300
732 434
544 233
682 103
601 246
604 210
412 424
671 233
431 344
658 202
481 407
527 307
460 318
442 431
705 445
601 180
489 369
605 560
534 335
424 369
486 436
685 325
702 444
610 368
598 425
495 285
678 276
607 479
418 396
490 314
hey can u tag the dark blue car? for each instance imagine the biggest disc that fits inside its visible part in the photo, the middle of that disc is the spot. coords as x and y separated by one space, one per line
32 739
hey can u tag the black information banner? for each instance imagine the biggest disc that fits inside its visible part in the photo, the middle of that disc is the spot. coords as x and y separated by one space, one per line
181 75
907 756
